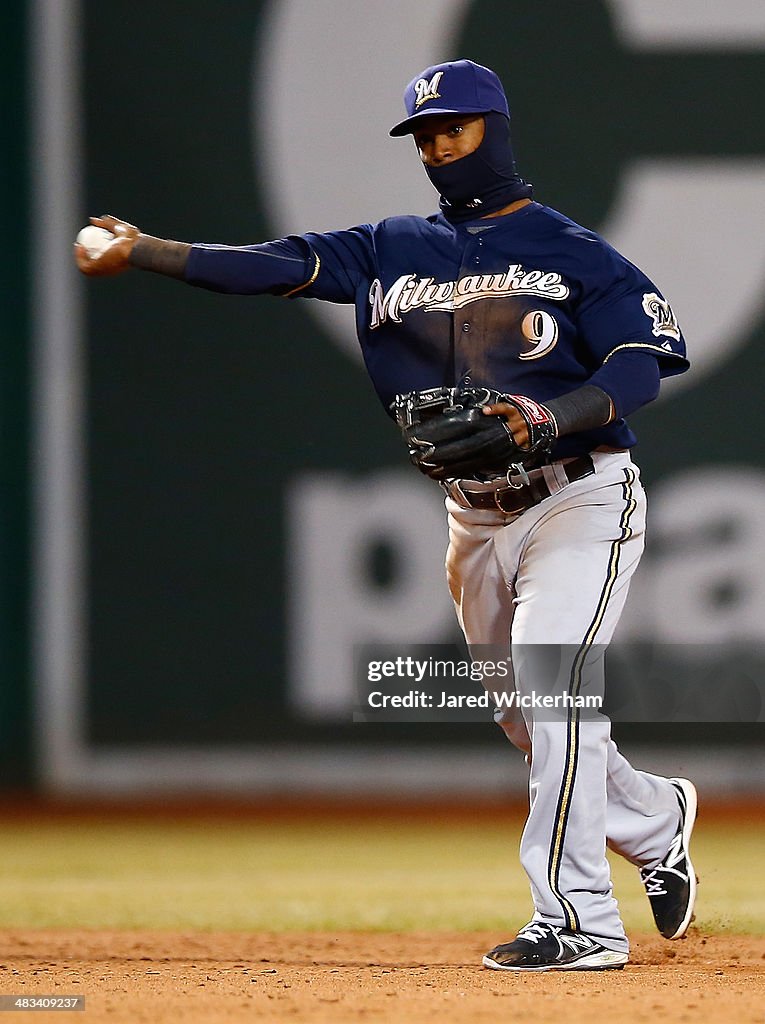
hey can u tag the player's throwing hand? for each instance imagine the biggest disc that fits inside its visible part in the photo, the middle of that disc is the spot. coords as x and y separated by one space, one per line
108 256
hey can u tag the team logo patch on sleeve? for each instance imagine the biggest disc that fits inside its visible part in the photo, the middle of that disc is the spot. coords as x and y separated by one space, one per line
664 320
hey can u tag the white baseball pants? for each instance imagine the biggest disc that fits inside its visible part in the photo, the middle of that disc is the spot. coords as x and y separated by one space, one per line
558 574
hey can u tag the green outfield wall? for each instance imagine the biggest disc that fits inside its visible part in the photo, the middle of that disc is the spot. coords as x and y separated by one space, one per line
235 535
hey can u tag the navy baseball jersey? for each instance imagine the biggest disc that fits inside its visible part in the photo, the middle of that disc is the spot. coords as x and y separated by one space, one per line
529 303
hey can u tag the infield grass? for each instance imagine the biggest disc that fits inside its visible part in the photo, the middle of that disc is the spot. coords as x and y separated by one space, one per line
261 875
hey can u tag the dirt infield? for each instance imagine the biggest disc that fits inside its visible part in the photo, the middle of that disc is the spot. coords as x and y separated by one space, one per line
223 976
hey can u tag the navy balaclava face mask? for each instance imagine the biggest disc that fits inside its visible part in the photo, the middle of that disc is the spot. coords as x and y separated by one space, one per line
483 181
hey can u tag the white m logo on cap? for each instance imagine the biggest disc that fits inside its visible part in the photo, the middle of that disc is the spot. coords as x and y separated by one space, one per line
427 90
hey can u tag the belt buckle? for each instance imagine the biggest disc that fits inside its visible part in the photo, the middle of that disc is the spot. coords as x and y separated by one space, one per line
524 481
519 471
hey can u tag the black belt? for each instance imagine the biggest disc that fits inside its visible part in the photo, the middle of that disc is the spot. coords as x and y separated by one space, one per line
513 498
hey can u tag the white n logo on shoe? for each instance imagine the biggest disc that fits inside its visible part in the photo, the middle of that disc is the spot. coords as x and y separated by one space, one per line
676 852
576 943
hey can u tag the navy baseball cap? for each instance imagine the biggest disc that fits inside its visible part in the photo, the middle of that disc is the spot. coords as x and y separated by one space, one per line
457 87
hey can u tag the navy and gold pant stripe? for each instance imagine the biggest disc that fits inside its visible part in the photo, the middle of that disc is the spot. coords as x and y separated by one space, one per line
572 743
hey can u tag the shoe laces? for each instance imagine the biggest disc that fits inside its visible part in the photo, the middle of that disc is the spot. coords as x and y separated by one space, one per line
534 931
654 885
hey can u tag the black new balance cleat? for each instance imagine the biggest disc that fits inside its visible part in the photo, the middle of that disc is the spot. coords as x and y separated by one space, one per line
547 947
671 886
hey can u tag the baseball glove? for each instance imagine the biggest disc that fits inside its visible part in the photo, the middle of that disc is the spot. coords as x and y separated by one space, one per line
449 438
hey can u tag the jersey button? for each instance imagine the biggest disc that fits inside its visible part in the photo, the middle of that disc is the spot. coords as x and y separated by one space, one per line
477 259
466 328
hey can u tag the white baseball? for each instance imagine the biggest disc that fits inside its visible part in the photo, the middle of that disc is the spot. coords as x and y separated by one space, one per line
94 239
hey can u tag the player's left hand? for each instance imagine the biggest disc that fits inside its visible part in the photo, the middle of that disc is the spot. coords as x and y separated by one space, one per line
518 425
456 433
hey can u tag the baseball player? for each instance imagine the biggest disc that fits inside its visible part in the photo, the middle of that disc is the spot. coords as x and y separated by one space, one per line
511 344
